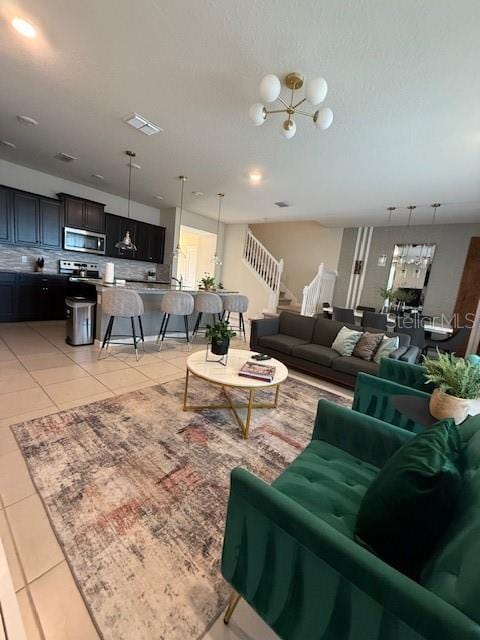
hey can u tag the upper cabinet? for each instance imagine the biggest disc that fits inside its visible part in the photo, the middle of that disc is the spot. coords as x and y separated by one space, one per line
51 223
148 238
26 212
83 214
6 226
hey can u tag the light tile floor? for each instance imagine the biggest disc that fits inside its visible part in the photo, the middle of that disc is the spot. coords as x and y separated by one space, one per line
40 374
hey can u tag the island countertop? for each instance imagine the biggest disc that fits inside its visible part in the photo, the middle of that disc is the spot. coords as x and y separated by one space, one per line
147 287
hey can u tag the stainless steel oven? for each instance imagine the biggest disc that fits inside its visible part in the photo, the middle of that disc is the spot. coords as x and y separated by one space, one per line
85 241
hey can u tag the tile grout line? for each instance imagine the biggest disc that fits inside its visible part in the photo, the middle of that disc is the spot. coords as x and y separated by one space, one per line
22 571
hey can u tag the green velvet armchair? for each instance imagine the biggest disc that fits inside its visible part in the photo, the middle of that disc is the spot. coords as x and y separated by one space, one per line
289 549
409 375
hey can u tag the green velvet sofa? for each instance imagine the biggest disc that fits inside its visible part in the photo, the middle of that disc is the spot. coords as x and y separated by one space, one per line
289 549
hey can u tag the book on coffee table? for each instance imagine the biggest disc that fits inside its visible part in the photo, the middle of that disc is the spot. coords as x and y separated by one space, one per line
257 371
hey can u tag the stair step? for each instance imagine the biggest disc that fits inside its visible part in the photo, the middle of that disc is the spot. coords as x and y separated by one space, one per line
293 308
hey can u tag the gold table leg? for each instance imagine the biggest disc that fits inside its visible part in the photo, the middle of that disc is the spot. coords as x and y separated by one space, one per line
233 406
234 600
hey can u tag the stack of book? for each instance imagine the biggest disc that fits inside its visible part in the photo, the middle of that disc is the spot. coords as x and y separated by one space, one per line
257 371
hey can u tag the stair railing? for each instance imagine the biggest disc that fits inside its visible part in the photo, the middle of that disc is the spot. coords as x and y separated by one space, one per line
318 291
266 266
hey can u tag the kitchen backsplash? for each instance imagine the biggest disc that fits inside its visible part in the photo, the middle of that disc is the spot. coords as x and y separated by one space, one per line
11 260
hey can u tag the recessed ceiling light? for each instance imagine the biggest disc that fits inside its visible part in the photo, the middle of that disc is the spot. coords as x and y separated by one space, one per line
158 197
98 176
65 157
7 143
255 177
24 28
27 120
197 193
140 123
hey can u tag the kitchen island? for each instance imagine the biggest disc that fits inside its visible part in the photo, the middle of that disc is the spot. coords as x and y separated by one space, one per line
151 294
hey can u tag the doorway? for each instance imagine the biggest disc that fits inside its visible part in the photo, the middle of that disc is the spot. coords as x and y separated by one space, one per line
198 249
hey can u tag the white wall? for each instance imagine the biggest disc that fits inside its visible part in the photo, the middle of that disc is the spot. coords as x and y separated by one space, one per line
303 246
20 177
237 276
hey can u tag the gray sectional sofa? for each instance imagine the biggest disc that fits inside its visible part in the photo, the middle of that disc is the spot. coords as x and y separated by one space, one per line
304 343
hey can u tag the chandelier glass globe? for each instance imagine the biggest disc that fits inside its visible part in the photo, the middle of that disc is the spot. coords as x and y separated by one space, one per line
270 88
258 114
316 90
323 118
288 128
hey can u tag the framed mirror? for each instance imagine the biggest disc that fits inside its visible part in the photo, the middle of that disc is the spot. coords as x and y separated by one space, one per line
409 275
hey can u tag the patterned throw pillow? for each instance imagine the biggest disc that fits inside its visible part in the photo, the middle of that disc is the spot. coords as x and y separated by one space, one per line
346 340
367 345
387 346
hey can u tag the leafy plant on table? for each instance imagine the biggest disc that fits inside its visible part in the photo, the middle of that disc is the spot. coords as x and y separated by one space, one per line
219 332
207 282
454 376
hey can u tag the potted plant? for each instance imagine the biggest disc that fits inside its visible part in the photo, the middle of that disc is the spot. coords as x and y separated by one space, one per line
388 296
39 264
219 335
207 282
151 274
457 383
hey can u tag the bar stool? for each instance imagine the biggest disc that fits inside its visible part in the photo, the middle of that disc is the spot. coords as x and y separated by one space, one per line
122 304
175 303
238 304
207 303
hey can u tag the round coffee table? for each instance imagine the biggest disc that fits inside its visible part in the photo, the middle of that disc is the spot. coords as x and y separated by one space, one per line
226 376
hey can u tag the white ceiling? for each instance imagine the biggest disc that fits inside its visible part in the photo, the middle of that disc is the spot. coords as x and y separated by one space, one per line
404 85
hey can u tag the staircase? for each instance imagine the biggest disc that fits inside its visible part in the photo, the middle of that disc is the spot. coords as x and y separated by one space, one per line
266 268
287 301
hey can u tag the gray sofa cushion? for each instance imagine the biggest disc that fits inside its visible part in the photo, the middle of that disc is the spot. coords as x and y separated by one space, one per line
280 342
316 353
325 331
293 324
353 365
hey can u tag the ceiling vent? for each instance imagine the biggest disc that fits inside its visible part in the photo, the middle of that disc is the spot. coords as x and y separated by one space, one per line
142 124
65 157
282 204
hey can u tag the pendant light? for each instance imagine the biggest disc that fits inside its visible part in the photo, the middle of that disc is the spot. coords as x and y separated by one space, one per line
178 251
428 257
216 260
126 243
382 259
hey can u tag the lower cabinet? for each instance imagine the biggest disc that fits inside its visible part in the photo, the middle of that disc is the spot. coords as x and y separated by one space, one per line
41 297
8 297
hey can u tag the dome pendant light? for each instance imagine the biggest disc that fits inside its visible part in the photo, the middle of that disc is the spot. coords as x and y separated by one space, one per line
178 251
126 243
216 260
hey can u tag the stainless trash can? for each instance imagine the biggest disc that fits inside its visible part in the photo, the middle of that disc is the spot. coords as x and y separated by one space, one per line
80 314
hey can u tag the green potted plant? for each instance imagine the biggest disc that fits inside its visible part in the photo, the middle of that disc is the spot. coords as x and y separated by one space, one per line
207 282
219 335
457 383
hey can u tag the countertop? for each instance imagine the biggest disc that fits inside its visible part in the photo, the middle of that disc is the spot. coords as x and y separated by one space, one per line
150 287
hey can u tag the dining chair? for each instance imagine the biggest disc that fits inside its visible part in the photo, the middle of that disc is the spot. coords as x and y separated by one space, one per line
343 315
452 344
374 320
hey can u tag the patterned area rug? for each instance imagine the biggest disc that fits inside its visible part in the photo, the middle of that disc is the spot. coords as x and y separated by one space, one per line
136 490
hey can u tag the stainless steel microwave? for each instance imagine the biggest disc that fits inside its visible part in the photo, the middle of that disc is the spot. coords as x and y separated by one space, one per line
84 241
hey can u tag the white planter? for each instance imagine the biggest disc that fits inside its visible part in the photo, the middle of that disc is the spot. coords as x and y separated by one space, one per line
444 406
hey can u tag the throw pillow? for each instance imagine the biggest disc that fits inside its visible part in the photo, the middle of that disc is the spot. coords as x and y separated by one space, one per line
345 341
387 346
412 500
367 345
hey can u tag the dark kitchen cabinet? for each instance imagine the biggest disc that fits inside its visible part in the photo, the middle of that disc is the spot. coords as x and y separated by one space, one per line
51 223
8 297
41 297
150 241
83 214
26 218
6 231
116 228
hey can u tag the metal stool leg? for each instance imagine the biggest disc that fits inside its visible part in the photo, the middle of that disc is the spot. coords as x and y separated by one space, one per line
161 328
167 318
134 337
197 323
108 333
185 319
141 331
242 326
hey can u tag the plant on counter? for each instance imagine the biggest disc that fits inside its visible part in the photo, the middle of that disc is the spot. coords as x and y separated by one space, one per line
151 274
207 282
39 264
219 335
457 383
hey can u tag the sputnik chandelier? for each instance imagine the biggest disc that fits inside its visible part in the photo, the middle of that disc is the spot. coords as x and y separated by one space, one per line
315 93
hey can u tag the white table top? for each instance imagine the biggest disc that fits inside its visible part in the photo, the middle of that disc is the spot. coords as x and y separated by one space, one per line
228 376
434 327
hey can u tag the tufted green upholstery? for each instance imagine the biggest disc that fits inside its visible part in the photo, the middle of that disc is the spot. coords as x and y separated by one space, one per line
328 482
410 375
288 548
